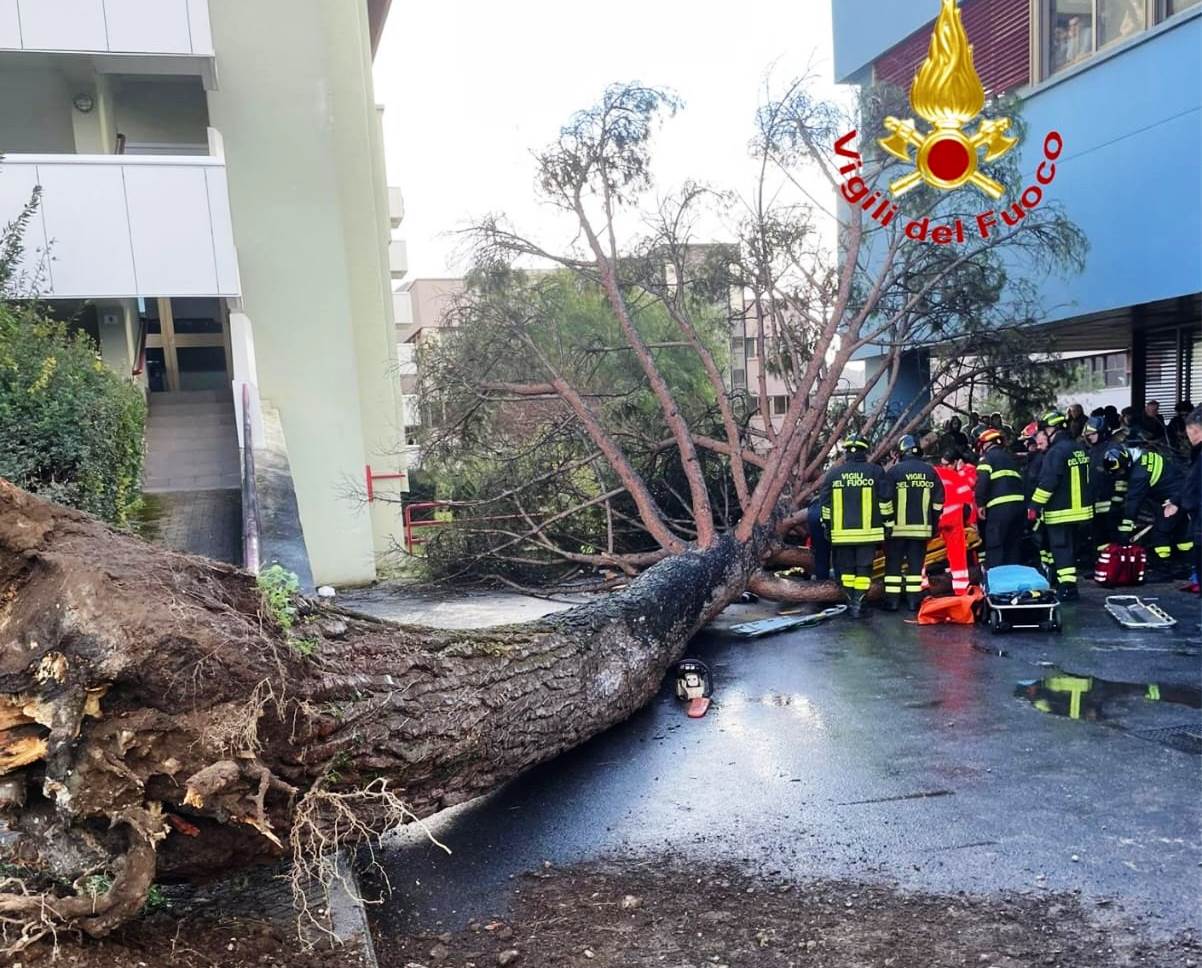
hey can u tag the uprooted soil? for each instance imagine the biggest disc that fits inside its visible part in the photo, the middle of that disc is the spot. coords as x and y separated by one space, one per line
166 942
659 915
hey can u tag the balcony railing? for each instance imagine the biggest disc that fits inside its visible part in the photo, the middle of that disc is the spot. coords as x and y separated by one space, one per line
118 226
153 27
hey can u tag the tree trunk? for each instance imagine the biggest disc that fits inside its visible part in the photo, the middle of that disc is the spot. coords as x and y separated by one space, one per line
153 715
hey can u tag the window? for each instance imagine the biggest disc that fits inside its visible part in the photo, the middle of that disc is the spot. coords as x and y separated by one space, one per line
1077 28
1071 31
1120 18
780 406
738 351
1107 370
753 342
738 379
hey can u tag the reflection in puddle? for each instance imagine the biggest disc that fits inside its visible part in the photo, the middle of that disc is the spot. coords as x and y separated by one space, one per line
1085 697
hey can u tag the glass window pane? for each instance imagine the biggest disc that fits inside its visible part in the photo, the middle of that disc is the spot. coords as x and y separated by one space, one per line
1070 28
1176 6
1120 18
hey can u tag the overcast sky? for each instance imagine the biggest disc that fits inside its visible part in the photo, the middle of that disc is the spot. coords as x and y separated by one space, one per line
470 87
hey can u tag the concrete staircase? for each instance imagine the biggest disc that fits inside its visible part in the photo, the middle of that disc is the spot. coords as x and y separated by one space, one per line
191 443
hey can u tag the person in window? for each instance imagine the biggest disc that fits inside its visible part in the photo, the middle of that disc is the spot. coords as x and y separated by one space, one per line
1121 18
1080 40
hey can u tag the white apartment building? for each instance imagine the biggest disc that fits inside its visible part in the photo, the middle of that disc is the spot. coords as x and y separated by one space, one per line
214 210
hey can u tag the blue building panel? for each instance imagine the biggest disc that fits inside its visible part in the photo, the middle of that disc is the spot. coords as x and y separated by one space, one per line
1131 172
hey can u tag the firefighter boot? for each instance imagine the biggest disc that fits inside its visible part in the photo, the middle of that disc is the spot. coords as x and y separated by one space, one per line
892 603
855 604
913 600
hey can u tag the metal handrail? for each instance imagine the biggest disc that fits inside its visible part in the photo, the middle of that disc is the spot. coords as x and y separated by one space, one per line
140 361
250 494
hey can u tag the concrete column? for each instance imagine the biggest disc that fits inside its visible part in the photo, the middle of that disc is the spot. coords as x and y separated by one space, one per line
95 131
117 323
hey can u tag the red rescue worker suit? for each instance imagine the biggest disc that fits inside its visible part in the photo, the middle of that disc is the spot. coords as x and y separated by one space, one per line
959 510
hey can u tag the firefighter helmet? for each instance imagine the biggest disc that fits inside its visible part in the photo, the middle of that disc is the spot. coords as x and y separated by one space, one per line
693 680
1054 418
853 443
1097 425
908 446
989 436
1029 431
1117 460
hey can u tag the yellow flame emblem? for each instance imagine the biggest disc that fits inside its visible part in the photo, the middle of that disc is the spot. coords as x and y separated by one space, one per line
948 93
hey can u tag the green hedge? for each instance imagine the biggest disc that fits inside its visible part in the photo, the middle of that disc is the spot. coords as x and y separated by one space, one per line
70 428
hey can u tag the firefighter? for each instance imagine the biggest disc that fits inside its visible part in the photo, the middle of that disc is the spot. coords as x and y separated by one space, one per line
1106 500
856 503
1036 439
1001 501
1063 500
958 511
1154 479
917 505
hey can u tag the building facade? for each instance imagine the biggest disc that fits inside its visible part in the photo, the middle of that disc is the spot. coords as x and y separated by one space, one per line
1121 80
214 210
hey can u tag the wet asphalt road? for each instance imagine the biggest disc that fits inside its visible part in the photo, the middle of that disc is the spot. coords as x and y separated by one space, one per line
879 750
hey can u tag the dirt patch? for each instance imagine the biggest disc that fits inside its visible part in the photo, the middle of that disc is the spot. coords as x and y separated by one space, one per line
165 942
654 914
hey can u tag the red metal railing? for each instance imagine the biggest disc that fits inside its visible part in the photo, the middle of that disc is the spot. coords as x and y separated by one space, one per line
372 478
413 526
413 540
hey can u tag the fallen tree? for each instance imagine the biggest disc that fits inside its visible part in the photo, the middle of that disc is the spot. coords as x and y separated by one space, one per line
156 722
161 718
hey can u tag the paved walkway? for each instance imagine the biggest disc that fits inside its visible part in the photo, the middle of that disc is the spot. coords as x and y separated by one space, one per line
207 523
883 751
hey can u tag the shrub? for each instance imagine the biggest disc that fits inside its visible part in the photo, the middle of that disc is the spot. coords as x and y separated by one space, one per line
70 428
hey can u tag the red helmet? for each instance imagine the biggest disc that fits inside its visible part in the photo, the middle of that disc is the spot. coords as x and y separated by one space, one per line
991 435
1029 431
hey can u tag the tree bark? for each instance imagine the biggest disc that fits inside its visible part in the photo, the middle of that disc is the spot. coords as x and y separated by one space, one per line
149 702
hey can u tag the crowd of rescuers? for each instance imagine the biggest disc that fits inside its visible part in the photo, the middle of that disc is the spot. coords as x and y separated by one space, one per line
1052 494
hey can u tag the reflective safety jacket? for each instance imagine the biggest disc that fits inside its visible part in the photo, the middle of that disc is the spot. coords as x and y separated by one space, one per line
1153 478
999 481
1063 492
917 498
958 494
857 500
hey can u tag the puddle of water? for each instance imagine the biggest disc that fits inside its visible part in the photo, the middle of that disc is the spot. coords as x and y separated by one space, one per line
1084 697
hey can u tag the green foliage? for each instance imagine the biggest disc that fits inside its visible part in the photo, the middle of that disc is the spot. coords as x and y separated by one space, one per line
96 885
506 326
156 900
71 428
280 588
306 648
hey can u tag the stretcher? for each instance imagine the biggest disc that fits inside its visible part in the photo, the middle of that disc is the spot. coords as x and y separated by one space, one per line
1133 612
936 552
784 623
1017 597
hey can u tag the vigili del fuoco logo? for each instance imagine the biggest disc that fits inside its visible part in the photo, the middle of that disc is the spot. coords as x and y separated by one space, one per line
948 94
